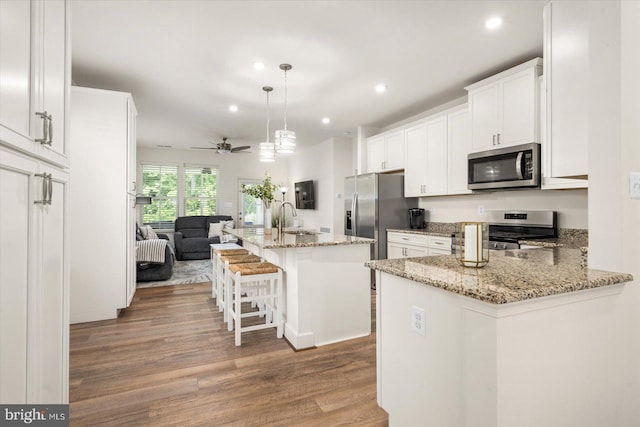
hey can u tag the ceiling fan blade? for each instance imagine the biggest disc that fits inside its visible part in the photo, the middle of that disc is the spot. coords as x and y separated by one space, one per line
236 149
204 148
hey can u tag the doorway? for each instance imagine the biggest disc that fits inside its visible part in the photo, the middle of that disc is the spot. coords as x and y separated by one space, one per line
250 209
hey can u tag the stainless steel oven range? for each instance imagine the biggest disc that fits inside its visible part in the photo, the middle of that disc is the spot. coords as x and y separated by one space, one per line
507 228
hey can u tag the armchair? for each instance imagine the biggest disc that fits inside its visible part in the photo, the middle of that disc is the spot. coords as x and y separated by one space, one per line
191 236
146 272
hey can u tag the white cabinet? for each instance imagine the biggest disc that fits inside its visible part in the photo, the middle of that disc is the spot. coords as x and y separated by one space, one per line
386 152
459 146
415 171
438 162
566 51
35 77
102 202
34 197
34 281
504 108
407 245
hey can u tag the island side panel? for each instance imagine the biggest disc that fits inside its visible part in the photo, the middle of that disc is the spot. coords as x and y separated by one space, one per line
419 375
327 293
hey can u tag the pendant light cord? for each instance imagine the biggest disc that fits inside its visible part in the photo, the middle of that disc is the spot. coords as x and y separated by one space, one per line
268 115
285 99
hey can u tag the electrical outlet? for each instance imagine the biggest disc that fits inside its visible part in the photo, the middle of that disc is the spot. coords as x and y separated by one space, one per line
418 320
634 185
480 210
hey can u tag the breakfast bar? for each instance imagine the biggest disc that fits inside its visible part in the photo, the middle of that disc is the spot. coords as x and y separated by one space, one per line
327 290
531 339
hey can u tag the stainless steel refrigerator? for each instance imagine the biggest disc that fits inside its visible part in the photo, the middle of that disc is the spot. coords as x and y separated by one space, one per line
372 203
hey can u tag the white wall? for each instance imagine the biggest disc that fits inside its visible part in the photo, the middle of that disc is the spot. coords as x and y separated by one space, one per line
326 164
614 151
231 167
570 204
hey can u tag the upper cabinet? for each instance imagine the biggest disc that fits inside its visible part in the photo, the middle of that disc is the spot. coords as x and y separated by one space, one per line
34 77
385 152
566 51
504 108
438 148
459 137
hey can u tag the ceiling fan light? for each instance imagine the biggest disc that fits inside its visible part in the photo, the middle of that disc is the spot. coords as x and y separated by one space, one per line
223 151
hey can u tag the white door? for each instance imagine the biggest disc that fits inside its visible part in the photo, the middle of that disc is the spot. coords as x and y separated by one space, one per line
15 73
53 295
483 106
53 77
395 250
16 274
517 109
437 156
459 146
375 154
415 170
394 150
250 209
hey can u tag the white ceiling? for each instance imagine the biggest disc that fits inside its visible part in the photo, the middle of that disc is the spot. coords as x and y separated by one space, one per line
186 61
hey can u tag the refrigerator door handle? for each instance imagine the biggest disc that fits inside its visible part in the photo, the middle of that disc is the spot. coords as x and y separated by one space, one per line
354 214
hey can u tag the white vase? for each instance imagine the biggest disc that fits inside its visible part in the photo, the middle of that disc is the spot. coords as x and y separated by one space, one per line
267 220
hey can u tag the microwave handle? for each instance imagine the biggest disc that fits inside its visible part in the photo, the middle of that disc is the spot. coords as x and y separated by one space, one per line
519 165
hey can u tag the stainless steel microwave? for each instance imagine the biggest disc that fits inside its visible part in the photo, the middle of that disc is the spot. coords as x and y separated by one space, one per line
508 168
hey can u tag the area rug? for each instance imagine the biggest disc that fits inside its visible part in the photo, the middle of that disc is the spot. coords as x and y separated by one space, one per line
184 272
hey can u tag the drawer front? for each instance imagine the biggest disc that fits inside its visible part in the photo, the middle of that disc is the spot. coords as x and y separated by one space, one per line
440 243
406 238
436 252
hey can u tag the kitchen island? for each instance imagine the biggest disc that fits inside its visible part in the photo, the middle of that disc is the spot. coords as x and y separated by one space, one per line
327 288
531 339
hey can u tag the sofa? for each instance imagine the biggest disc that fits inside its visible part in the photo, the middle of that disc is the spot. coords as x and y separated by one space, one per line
191 236
148 272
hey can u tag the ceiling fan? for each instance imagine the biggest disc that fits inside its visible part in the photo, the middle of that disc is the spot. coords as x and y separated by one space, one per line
224 147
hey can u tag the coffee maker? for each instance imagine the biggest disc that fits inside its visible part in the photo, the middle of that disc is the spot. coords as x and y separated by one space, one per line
416 218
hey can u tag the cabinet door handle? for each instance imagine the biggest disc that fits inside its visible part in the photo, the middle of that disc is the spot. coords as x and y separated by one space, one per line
46 128
47 189
494 139
50 179
498 139
405 238
50 139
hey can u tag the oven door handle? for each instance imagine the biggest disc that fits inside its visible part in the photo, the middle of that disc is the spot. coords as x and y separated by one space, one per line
519 165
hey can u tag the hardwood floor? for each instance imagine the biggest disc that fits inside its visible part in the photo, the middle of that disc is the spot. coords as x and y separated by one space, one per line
169 360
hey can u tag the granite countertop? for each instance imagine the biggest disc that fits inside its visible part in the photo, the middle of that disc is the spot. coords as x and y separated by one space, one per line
421 231
510 276
257 237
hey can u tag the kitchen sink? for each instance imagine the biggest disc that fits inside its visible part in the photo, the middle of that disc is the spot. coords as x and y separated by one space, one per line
301 232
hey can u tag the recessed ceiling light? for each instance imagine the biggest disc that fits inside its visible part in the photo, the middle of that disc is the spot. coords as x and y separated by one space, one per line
258 65
326 120
381 88
493 23
233 108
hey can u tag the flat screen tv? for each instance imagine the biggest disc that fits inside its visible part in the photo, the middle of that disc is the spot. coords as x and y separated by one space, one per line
305 195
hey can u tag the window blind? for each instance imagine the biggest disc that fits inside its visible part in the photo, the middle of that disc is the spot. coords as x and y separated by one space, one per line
161 183
200 190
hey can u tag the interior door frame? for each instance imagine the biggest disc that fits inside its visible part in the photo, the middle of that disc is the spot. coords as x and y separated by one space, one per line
240 223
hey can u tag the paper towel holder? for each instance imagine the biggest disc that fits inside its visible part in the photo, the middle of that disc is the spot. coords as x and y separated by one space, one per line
473 250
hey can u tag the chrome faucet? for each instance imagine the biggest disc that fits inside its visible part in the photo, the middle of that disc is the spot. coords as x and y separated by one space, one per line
293 211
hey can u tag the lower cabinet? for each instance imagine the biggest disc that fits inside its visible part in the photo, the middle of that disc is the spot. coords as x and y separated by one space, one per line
34 281
408 245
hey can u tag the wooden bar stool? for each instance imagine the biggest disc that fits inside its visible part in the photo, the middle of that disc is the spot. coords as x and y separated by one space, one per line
216 270
262 281
223 262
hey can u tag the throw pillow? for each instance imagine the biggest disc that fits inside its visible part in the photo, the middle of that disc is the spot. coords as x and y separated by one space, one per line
215 229
151 234
227 224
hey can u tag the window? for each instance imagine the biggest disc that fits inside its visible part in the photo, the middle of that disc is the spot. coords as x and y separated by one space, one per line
200 186
161 183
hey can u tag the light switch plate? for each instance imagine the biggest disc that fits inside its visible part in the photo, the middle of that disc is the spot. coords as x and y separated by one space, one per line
634 185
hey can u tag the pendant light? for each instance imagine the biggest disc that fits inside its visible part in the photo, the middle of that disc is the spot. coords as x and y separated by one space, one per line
285 141
267 149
